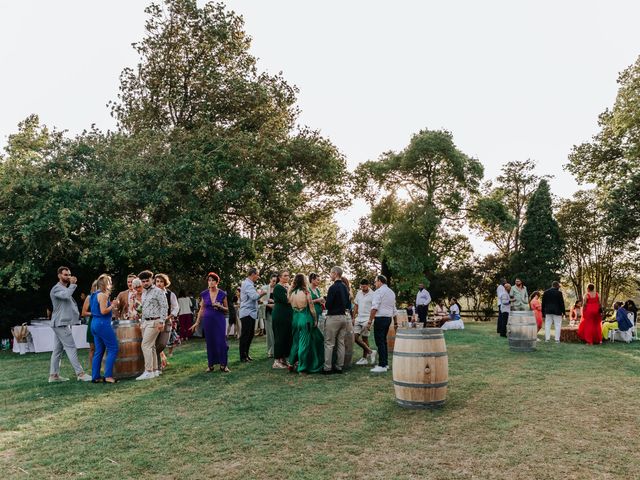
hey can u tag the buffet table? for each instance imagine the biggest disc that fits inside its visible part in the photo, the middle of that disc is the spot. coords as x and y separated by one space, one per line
41 338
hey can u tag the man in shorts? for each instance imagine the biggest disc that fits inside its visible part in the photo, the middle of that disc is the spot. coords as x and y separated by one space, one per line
361 312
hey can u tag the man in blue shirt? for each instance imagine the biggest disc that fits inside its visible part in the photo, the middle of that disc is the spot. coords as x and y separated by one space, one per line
248 314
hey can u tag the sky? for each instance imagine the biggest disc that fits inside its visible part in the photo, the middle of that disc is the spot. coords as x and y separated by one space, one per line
511 80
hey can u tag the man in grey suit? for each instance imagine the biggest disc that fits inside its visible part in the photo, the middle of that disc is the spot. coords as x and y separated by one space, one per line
65 313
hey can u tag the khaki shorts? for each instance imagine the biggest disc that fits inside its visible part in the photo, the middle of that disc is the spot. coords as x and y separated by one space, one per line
361 329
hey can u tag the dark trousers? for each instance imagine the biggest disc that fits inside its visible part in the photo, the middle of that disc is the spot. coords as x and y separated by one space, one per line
503 318
422 310
246 335
380 330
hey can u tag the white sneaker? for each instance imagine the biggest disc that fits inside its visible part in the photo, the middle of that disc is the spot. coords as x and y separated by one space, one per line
146 376
157 373
84 378
362 361
372 357
58 378
378 369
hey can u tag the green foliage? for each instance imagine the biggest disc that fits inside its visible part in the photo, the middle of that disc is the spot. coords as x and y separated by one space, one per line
437 180
499 213
539 260
593 252
207 171
364 255
612 159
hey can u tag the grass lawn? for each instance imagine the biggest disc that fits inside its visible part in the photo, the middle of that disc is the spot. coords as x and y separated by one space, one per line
566 411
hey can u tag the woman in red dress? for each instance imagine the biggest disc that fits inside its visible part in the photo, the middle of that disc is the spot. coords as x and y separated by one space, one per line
536 306
590 328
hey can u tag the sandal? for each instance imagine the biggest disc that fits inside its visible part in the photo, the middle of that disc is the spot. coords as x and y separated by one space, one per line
209 369
224 369
104 380
98 380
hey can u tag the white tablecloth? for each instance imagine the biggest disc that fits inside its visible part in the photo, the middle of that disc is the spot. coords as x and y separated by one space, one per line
41 338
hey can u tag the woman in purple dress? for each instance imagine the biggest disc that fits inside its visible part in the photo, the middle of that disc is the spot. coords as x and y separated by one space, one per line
211 314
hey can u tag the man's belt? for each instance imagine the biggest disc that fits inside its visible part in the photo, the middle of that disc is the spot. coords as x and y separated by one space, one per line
151 318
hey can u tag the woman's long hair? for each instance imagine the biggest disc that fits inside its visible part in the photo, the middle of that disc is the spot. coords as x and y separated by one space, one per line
299 283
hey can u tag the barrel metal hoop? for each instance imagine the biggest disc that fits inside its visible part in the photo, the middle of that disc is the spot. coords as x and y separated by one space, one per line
124 323
419 331
129 340
420 385
420 354
412 337
410 404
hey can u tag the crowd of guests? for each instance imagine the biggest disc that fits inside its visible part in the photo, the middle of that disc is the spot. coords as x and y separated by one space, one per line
306 332
147 300
587 314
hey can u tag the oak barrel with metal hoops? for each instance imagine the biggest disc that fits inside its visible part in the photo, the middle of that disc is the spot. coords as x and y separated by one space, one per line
130 361
420 367
522 331
391 337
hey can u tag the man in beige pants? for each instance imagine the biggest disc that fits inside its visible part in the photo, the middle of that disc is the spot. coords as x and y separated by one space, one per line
154 314
338 324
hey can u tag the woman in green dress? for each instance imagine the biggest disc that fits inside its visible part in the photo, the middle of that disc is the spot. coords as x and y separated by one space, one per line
281 318
317 335
304 357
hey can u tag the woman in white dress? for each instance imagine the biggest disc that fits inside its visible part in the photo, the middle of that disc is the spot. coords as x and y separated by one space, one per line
454 322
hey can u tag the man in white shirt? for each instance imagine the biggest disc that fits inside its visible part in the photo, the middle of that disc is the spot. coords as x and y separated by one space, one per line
361 312
383 309
423 299
505 307
499 293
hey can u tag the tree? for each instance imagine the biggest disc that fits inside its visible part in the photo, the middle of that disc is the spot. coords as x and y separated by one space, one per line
539 260
593 253
437 180
364 255
207 170
612 159
499 214
224 134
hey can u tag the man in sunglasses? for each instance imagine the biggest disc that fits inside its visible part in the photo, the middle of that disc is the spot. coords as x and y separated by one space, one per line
65 313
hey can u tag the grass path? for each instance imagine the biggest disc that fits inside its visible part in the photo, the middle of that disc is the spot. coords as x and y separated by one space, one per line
565 411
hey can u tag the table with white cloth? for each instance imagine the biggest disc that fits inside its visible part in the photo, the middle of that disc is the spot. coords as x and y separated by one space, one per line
41 338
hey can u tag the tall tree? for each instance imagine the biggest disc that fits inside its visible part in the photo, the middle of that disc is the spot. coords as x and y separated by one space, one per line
207 170
499 213
539 260
611 160
593 252
437 180
223 140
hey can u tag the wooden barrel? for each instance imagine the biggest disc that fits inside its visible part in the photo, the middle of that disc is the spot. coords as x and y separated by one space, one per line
522 331
420 367
402 318
130 361
391 337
